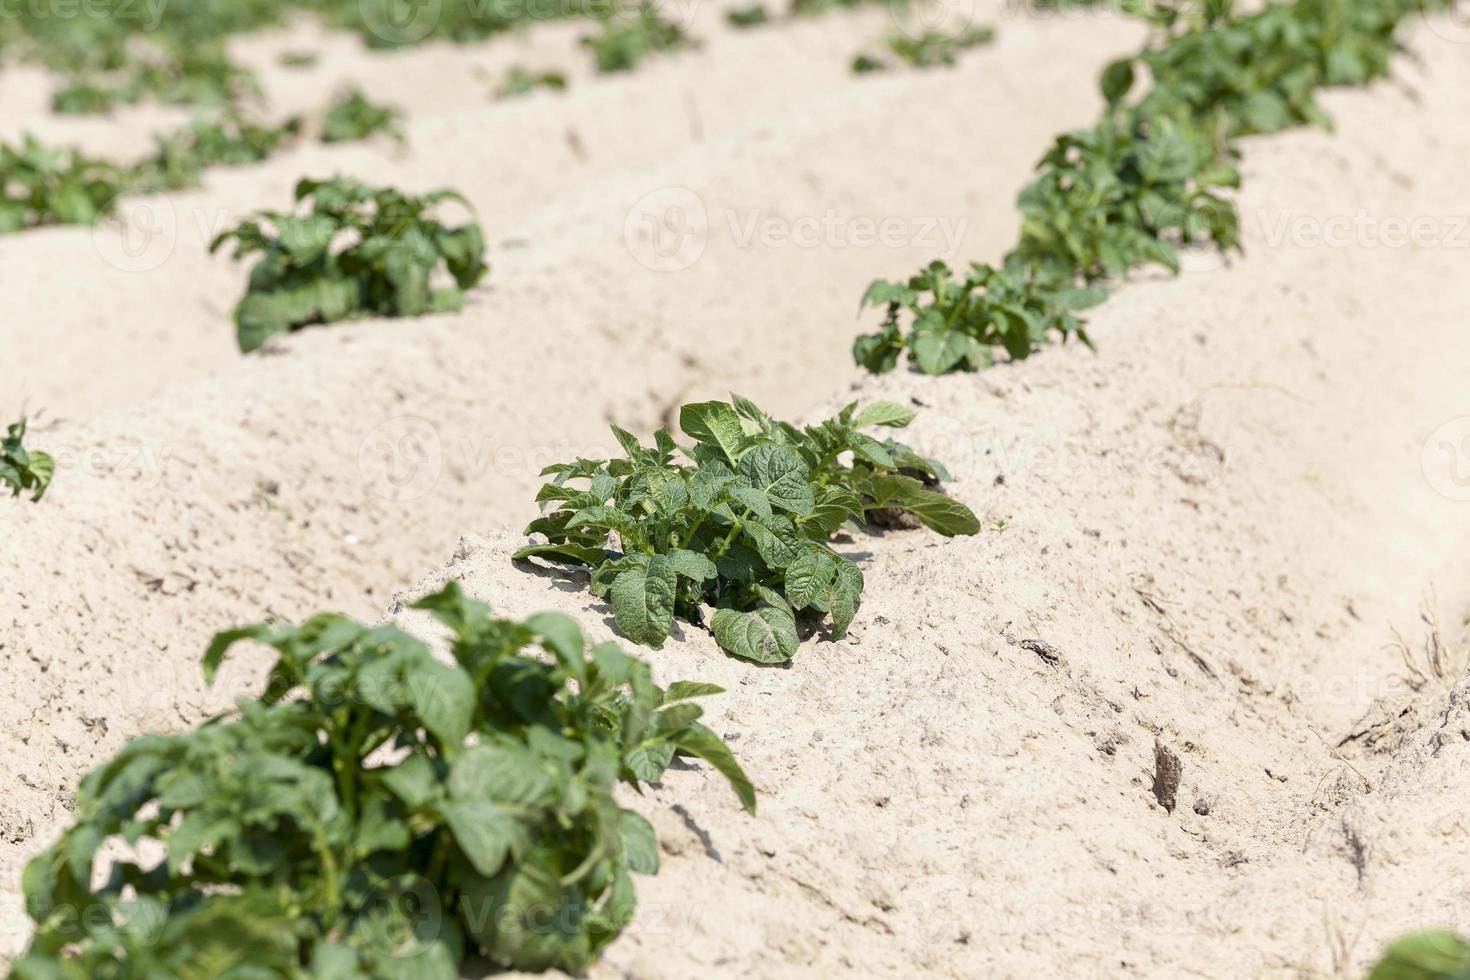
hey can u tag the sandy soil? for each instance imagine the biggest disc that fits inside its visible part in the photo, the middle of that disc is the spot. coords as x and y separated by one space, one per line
1210 530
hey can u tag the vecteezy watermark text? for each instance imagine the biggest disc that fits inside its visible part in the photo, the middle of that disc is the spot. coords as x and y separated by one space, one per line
669 230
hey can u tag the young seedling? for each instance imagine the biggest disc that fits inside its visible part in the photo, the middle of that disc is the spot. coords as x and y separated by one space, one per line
24 470
626 41
354 117
392 253
739 523
935 48
378 812
753 15
298 59
519 81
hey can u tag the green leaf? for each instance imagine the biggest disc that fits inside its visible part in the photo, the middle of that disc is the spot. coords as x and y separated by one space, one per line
563 637
487 832
1426 956
936 353
938 511
502 771
648 762
443 697
884 413
779 474
413 781
643 602
683 690
809 578
844 596
714 424
703 743
692 565
766 635
1117 79
640 843
578 554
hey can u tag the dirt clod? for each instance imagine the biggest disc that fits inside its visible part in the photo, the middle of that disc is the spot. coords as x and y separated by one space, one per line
1167 770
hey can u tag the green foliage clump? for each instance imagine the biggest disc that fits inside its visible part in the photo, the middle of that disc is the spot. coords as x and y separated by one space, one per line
24 470
956 325
1155 175
520 81
1426 956
169 69
933 49
358 251
1125 195
752 15
42 185
378 812
625 41
180 158
354 117
741 523
401 23
816 8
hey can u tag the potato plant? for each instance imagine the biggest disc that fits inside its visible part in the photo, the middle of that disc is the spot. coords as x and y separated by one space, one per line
625 41
956 325
354 117
124 51
42 185
355 251
932 49
521 81
752 15
740 522
181 157
24 470
377 813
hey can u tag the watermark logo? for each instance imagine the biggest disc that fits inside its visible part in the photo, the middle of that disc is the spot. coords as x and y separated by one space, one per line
1446 460
932 19
667 230
1452 23
148 14
401 21
401 915
139 236
402 458
1364 230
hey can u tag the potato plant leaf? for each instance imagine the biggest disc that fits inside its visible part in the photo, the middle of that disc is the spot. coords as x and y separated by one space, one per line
24 470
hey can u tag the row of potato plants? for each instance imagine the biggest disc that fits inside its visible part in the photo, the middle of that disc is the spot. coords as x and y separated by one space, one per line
1154 176
43 185
124 51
